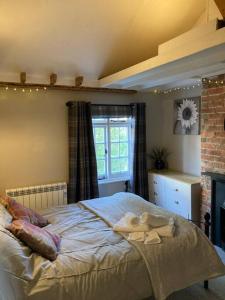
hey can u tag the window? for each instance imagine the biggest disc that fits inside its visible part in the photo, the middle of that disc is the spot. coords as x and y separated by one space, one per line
112 146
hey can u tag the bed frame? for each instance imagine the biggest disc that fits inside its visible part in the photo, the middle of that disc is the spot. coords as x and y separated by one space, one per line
206 224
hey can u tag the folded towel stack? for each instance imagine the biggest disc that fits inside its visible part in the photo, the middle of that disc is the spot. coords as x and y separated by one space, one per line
147 228
153 220
130 223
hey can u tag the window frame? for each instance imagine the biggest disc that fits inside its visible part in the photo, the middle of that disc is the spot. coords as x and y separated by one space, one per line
107 123
105 144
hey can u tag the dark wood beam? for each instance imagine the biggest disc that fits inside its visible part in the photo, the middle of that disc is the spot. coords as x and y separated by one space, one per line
65 88
221 5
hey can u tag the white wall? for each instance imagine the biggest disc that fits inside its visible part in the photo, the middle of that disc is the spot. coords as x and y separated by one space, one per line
34 136
185 149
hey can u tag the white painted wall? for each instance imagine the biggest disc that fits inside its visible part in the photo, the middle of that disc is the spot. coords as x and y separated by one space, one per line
185 149
34 136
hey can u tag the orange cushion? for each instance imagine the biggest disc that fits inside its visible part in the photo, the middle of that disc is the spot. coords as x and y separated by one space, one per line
38 239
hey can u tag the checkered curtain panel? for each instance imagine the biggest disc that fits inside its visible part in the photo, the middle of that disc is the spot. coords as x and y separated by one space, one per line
139 178
83 182
111 111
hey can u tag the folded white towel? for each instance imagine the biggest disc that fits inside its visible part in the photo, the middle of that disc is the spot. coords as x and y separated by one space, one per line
167 230
147 228
136 236
131 218
129 223
152 237
153 220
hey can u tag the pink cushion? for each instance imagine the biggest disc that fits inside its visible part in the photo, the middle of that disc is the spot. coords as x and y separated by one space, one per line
19 212
38 239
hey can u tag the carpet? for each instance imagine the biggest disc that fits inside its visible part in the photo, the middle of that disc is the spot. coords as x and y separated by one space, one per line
216 291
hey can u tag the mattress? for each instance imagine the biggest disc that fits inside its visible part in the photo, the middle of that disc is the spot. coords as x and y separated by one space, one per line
96 263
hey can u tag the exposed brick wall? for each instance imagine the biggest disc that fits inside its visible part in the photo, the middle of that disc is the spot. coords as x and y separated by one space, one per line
212 137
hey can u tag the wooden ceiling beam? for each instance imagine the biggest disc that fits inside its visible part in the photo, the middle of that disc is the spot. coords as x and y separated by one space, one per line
66 88
221 5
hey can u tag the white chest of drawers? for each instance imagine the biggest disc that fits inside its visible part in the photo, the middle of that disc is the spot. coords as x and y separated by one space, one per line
176 192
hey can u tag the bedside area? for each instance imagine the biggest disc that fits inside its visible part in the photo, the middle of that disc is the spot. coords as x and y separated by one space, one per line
176 192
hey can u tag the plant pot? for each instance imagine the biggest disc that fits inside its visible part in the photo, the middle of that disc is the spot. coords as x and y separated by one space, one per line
159 164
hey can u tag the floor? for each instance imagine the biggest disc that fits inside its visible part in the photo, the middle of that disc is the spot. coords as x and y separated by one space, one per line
216 291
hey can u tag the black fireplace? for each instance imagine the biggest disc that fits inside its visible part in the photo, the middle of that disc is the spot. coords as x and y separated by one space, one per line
218 209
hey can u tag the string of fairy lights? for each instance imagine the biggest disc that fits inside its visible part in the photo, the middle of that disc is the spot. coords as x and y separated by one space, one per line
205 82
176 89
217 82
23 89
201 83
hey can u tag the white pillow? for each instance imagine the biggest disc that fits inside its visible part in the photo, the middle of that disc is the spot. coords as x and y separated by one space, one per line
5 217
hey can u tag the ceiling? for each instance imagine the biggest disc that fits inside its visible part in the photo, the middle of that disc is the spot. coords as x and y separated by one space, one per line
93 38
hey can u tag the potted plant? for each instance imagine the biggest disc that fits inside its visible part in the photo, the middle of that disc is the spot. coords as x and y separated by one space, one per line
159 156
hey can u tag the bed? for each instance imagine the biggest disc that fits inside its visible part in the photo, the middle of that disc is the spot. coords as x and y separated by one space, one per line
97 263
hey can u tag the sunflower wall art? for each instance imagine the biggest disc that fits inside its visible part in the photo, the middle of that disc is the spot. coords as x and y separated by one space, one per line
186 116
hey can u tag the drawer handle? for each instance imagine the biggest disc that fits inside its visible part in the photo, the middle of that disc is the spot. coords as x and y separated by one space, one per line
154 182
155 194
176 190
177 202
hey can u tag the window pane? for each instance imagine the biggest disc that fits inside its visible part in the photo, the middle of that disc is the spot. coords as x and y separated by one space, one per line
97 121
100 150
114 134
123 149
123 134
124 164
99 134
101 167
115 150
115 165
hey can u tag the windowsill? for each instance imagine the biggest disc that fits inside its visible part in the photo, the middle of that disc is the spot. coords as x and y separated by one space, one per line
113 180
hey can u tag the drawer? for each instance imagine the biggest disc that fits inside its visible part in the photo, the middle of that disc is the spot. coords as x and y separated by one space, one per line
177 206
178 198
156 189
155 182
151 197
177 189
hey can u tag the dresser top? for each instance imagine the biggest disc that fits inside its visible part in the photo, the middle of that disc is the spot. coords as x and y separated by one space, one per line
183 177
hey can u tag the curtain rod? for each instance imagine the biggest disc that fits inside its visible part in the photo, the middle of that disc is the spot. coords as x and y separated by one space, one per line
112 104
70 103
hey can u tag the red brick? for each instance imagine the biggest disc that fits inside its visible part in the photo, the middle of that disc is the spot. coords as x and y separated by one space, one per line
212 137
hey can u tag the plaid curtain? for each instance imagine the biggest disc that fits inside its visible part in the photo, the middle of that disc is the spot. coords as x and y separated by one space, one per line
83 182
139 178
111 111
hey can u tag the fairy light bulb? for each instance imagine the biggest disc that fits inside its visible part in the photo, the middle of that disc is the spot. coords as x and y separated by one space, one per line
14 89
6 88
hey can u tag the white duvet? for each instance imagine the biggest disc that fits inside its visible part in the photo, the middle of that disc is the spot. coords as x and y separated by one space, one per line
97 263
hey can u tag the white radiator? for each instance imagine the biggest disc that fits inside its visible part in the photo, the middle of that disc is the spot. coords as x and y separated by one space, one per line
42 196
